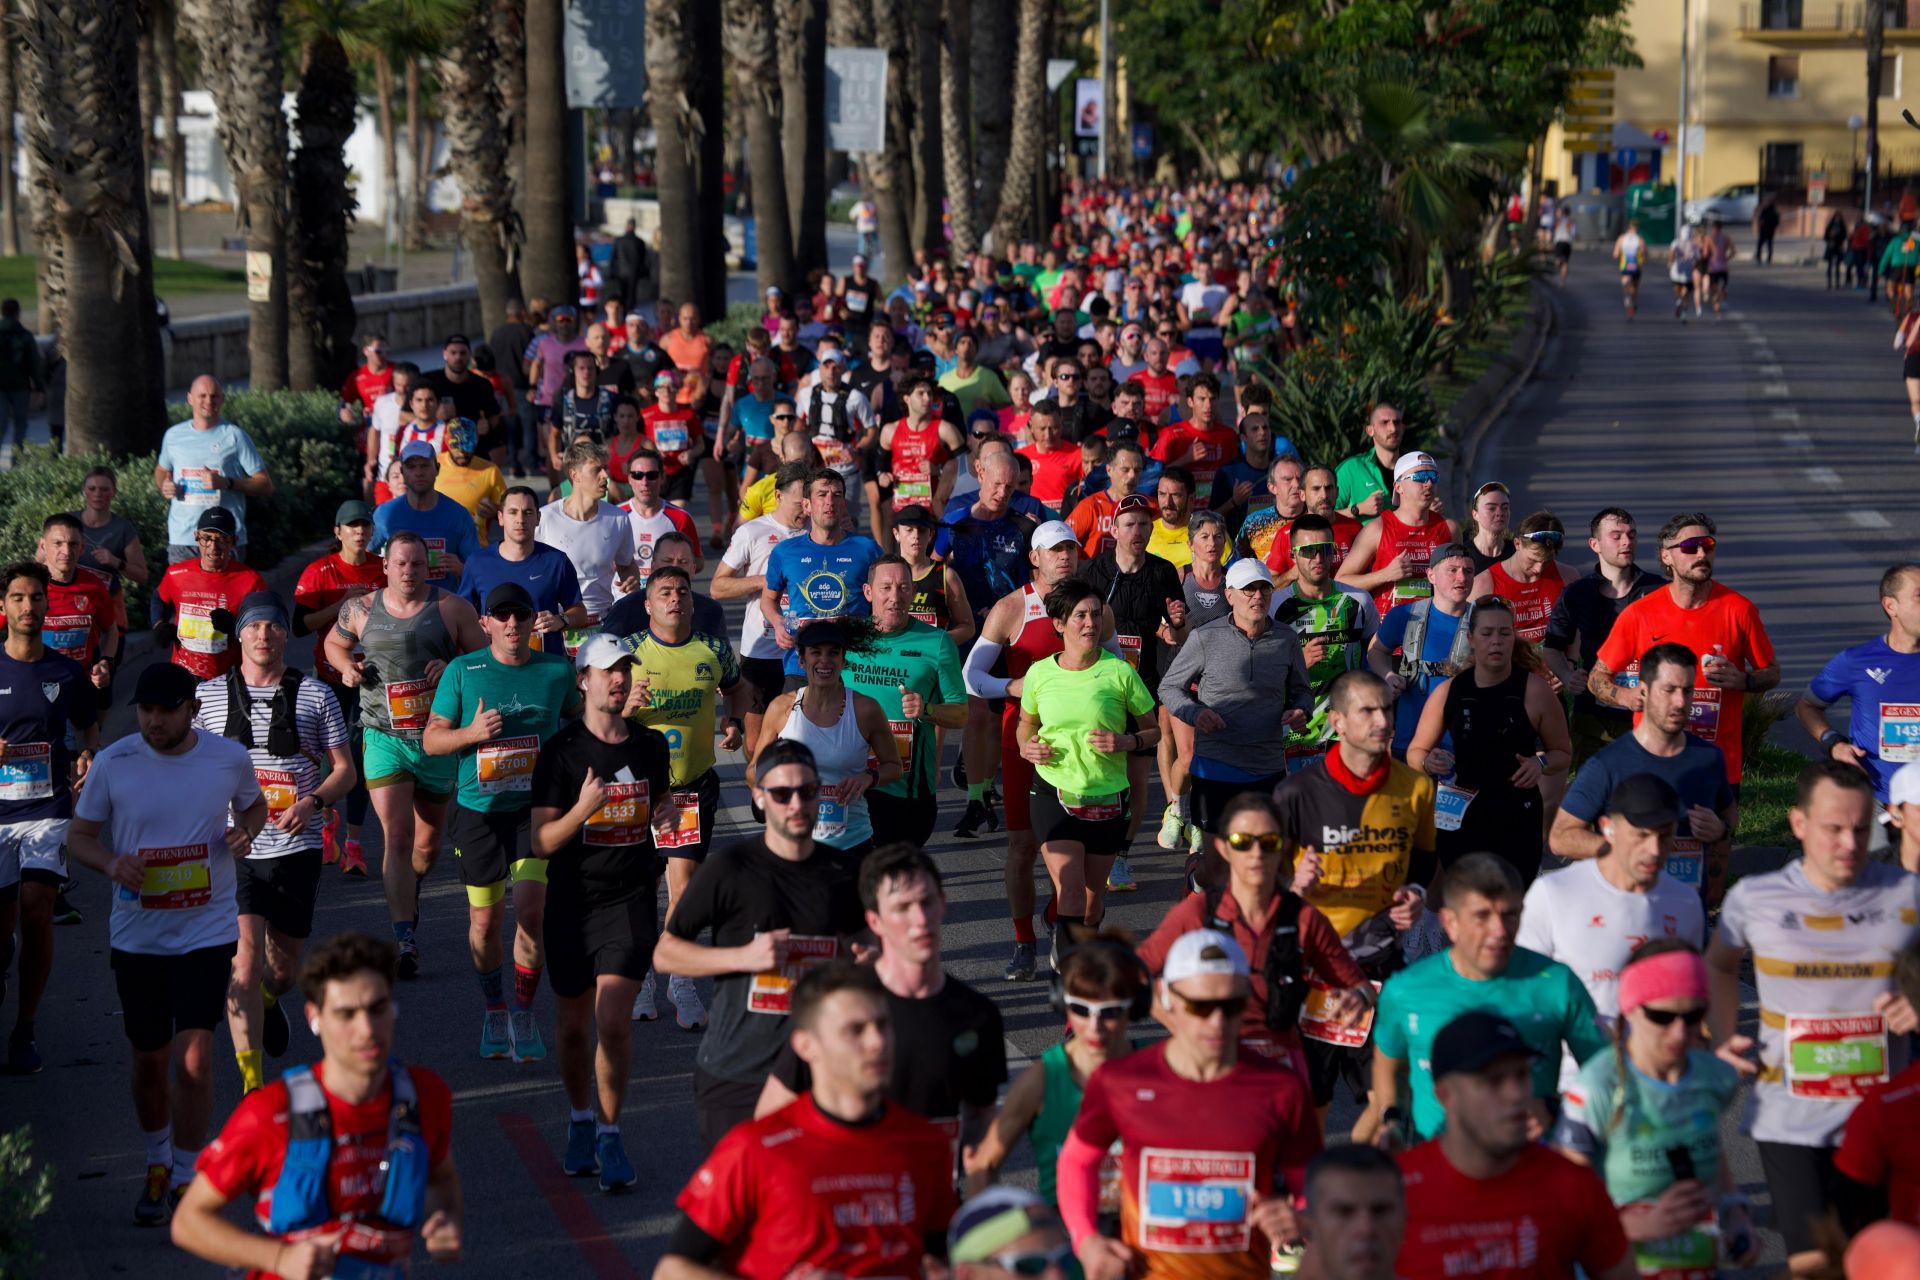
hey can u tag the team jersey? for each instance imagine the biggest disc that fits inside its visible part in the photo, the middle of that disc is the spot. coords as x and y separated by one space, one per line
445 527
478 481
747 555
675 435
819 580
1195 1154
321 726
1819 962
1347 619
930 603
1069 706
924 659
1056 473
1532 601
80 615
988 556
496 776
799 1191
1727 624
203 605
919 454
42 701
1171 544
325 582
1161 389
363 386
1884 687
1279 552
1536 1221
647 528
1417 543
682 683
1629 250
1092 521
1877 1149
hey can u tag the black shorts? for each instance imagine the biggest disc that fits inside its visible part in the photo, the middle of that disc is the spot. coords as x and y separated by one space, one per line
679 484
1805 1186
1562 249
722 1104
1328 1064
900 818
1101 837
1633 275
766 680
1910 367
1716 277
708 787
585 941
1212 795
486 845
280 890
494 438
164 995
1898 275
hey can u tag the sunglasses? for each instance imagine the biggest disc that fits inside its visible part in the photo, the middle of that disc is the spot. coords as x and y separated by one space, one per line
1701 543
986 435
1269 841
1423 477
806 793
1204 1009
1667 1017
783 417
1546 537
510 613
1313 549
1034 1264
643 475
1066 377
1101 1010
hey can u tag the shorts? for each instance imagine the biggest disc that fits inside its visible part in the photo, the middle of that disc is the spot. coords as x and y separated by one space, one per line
586 941
1052 824
1716 277
1910 367
34 850
392 760
1682 283
900 818
487 847
708 787
1633 275
164 995
721 1104
1898 275
1805 1186
679 484
1592 730
1210 796
1563 249
1329 1064
280 890
1016 772
766 680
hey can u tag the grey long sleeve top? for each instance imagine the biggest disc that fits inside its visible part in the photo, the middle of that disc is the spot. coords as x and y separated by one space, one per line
1252 683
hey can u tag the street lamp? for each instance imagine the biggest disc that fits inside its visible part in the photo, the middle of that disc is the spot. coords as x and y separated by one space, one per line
1854 122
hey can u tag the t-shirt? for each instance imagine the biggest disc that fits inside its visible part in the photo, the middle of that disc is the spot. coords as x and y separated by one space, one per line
1543 998
195 457
170 811
546 573
628 617
1698 774
747 554
1211 448
1358 478
744 889
473 396
1072 704
682 683
611 858
648 528
446 526
496 776
925 660
116 535
1171 544
1347 618
1139 603
324 583
1884 687
989 556
1432 664
322 726
1727 622
1195 1154
982 390
80 615
39 702
202 643
800 1192
820 580
479 481
1536 1221
1877 1148
1055 473
596 546
1584 615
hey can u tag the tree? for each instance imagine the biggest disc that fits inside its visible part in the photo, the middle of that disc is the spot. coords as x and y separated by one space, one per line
993 48
750 45
1019 204
888 175
956 118
477 145
164 16
803 75
684 96
929 180
506 24
9 107
547 269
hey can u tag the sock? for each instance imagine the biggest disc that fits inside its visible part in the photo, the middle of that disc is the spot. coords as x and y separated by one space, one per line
576 1114
1023 929
977 791
1053 911
493 989
526 985
1182 806
403 931
183 1166
1068 924
159 1145
250 1071
599 1128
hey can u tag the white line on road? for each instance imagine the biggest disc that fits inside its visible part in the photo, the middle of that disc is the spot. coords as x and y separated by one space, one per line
1771 371
1786 413
1824 475
1776 390
1868 518
1796 440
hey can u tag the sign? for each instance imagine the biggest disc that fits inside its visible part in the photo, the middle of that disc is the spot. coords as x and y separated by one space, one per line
605 46
259 276
1089 109
1696 140
857 99
1058 69
1143 142
1817 188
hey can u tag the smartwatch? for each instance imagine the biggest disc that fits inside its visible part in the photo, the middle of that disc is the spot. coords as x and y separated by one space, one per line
1830 737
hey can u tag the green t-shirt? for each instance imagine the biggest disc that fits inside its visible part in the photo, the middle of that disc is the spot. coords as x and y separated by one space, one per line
497 776
1356 479
1254 332
924 659
1072 704
1543 999
984 390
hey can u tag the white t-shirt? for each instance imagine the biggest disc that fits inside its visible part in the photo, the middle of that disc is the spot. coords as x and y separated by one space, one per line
1204 297
1578 917
385 423
747 555
171 812
595 546
322 727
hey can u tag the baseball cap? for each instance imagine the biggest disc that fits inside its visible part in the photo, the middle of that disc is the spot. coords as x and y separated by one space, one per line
1052 534
416 449
165 685
1201 952
860 258
1902 788
455 340
994 1219
603 651
1412 462
818 633
1448 551
564 309
917 516
1246 572
508 593
833 355
217 520
1475 1041
261 606
1133 502
352 511
1645 800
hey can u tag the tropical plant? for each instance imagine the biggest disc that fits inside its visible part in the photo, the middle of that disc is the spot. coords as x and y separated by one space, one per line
25 1194
925 224
749 28
684 93
1019 206
1336 243
477 147
1384 355
164 17
9 107
547 267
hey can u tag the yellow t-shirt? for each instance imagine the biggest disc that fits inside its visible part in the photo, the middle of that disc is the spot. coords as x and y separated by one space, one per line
759 498
469 486
1170 545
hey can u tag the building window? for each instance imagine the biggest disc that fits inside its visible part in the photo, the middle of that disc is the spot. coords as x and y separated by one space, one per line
1780 15
1783 76
1890 76
1780 165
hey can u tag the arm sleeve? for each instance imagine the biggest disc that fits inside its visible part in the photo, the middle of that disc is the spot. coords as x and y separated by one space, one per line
690 1242
1077 1185
980 680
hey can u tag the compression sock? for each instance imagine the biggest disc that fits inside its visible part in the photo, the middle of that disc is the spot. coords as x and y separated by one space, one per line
1023 929
183 1166
526 985
159 1145
403 931
978 791
577 1114
250 1070
493 988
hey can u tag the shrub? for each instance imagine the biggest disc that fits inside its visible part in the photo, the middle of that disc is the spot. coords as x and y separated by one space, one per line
25 1194
732 327
1323 395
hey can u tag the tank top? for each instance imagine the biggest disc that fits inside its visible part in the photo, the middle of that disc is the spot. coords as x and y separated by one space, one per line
1035 640
918 452
1418 542
1532 601
1059 1108
930 598
396 693
1631 247
116 535
1489 726
839 752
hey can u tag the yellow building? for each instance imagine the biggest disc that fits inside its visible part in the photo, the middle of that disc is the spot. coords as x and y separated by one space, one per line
1775 88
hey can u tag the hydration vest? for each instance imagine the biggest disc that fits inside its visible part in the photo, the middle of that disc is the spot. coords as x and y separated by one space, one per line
1285 968
833 416
1414 643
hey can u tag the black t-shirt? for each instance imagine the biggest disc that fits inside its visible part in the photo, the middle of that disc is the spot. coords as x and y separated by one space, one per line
473 396
1139 603
646 363
618 375
611 860
744 889
876 384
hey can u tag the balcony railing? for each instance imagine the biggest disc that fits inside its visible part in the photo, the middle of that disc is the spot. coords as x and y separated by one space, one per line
1822 17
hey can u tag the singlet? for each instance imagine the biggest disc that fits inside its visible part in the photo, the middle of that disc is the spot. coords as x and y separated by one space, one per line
80 614
1532 601
918 454
1204 604
1489 726
930 598
396 695
839 752
1631 248
1035 640
1419 543
1059 1106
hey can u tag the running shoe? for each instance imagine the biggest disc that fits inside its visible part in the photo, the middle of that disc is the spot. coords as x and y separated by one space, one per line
330 840
979 814
579 1160
154 1207
276 1033
688 1010
64 912
409 958
1173 828
1120 877
1193 841
1021 967
23 1056
523 1033
493 1035
960 772
644 1009
353 862
616 1171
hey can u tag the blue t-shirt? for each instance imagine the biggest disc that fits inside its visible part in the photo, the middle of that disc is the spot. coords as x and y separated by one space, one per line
547 575
1439 643
820 581
1698 774
1240 471
990 556
755 415
446 526
1885 689
194 456
38 702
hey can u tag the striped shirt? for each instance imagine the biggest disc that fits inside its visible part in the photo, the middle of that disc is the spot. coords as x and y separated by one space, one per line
322 727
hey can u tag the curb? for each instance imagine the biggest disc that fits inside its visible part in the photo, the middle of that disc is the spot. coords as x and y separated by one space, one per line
1498 387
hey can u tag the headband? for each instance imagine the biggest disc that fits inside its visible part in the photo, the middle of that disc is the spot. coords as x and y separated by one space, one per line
1671 975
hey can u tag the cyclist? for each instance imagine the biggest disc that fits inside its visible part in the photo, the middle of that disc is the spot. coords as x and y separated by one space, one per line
1629 250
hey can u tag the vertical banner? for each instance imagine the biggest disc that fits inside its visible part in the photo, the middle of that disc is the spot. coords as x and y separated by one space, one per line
605 48
1089 109
857 99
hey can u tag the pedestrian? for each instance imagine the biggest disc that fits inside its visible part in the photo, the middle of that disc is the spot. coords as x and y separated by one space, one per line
1833 238
1766 226
23 380
627 270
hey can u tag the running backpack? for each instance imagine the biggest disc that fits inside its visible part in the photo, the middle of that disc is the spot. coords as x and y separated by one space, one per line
1414 643
1285 969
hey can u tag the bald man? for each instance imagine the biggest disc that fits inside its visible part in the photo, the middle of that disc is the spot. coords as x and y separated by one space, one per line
204 462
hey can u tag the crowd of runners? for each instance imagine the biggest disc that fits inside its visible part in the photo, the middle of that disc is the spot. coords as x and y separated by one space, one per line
1451 804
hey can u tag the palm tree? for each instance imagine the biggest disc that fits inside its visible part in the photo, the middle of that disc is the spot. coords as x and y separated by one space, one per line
992 99
244 67
477 145
164 15
9 105
1015 217
507 25
684 95
956 119
803 75
547 269
888 175
929 182
849 26
749 38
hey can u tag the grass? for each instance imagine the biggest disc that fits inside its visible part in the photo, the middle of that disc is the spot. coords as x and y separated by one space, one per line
1766 793
170 276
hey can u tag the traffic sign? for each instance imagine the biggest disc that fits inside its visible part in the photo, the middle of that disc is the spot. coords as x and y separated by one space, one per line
1058 69
605 47
857 99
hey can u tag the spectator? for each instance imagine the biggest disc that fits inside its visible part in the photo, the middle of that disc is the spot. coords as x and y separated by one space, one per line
22 378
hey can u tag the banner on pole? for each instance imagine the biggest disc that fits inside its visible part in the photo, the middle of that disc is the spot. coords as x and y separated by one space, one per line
857 99
605 47
1089 109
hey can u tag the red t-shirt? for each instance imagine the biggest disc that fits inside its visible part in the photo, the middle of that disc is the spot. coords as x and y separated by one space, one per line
365 386
1212 446
918 455
1533 1222
674 434
79 615
1054 473
1877 1147
1162 390
797 1190
737 368
1194 1153
1727 619
245 1159
1280 554
195 594
325 582
1532 601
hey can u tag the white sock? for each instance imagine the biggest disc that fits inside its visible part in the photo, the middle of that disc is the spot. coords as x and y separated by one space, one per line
159 1145
599 1128
183 1166
576 1114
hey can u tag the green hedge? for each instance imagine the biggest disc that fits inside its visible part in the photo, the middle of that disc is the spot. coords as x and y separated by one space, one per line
308 453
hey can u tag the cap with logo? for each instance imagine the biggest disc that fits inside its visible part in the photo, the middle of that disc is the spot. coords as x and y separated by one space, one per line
1475 1041
1051 534
1203 952
217 520
1410 463
603 651
509 595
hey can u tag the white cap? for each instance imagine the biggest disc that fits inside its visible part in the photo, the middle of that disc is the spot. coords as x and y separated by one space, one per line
1201 952
1052 534
1903 787
416 449
1412 462
603 651
1246 571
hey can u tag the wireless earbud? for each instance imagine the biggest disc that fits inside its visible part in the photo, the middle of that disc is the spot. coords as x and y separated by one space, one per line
313 1025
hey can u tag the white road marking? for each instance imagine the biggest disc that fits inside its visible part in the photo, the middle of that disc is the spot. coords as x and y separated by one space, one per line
1824 475
1868 518
1775 390
1771 371
1786 413
1796 440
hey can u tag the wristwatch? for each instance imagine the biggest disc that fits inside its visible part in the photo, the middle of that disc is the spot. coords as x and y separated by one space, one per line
1830 737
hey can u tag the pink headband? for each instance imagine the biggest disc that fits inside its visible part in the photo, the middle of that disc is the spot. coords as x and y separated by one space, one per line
1671 975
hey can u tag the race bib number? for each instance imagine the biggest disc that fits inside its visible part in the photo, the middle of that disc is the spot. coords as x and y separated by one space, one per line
1899 730
1130 647
623 818
408 702
912 493
505 766
27 773
1195 1201
1686 864
1693 1254
1412 589
1089 808
833 453
279 788
772 992
194 486
1703 717
670 437
902 739
677 825
176 878
1450 806
1835 1057
856 300
195 630
1318 1021
436 548
67 634
830 821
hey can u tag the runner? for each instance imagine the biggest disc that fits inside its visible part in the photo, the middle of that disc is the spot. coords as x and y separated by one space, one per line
174 924
1172 531
1334 622
1005 1232
446 527
1876 1149
653 517
593 533
546 573
1058 466
1365 482
1488 526
1583 618
496 749
1719 258
289 723
841 418
1629 250
917 452
1681 259
1882 679
1199 443
83 606
1092 517
201 594
470 480
1529 578
938 597
1265 530
597 790
672 430
741 574
1565 231
1355 1216
207 463
1390 556
816 577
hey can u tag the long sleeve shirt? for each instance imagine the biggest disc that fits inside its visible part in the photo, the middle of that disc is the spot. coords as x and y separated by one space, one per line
1251 683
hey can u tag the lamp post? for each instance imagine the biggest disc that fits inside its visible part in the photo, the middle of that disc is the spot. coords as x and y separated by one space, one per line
1853 123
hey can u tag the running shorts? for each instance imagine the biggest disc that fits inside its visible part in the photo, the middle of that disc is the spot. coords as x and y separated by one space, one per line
34 850
679 484
164 995
1910 367
587 941
280 890
766 680
1101 836
393 760
488 847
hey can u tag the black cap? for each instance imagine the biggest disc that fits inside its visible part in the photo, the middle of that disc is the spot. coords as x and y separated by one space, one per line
1474 1041
1645 800
165 685
219 520
455 339
784 751
924 359
920 517
815 633
509 593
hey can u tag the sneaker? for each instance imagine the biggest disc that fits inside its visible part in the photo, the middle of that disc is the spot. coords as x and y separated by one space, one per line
688 1010
352 861
1120 877
1021 967
64 912
276 1033
978 815
524 1034
409 958
579 1161
153 1208
616 1171
23 1056
1194 839
493 1035
1173 828
329 840
643 1006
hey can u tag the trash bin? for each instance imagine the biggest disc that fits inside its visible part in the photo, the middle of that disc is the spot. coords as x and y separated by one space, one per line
1599 218
1653 206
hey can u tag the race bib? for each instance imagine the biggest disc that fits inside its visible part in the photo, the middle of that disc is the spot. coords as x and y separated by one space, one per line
176 878
194 629
1130 647
1899 730
408 702
856 300
67 634
194 486
1195 1201
1450 806
27 773
1835 1056
1687 863
436 548
833 453
1703 717
1318 1021
902 739
1694 1254
1412 589
830 821
1113 1178
623 817
505 766
670 437
772 992
677 825
1089 808
279 788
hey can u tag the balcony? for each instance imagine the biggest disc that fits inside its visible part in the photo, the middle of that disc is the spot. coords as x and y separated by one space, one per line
1826 24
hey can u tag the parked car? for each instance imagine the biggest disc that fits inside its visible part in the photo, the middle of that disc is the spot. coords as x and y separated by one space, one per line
1735 204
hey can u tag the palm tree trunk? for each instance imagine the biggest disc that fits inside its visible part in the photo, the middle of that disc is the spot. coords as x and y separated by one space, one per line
507 26
383 87
321 347
419 158
802 43
890 172
49 263
709 99
956 120
1016 218
9 104
750 44
477 153
993 47
547 270
166 57
678 126
929 182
